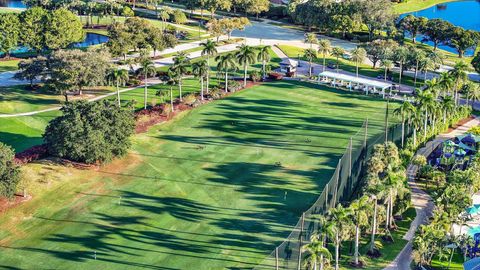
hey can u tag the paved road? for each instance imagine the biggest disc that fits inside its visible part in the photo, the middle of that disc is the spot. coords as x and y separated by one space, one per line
420 199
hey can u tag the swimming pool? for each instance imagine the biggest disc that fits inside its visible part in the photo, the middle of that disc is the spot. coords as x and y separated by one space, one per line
475 209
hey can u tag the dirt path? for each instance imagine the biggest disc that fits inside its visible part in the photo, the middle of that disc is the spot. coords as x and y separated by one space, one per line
420 199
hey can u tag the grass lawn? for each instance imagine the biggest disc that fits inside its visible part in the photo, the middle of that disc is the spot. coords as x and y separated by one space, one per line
366 70
200 190
8 65
415 5
19 99
9 10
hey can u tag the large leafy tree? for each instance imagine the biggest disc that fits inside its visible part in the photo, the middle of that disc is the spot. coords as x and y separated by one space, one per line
257 6
375 14
412 24
245 57
33 23
120 41
380 49
462 40
90 132
32 69
9 171
9 32
476 62
62 29
437 31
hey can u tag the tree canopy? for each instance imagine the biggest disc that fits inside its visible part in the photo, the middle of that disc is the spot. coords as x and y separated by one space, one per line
9 171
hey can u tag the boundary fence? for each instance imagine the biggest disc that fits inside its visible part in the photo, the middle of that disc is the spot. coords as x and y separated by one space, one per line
342 187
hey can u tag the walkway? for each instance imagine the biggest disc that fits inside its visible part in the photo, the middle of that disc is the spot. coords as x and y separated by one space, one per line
420 199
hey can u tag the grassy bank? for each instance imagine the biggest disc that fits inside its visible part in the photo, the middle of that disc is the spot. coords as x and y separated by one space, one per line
416 5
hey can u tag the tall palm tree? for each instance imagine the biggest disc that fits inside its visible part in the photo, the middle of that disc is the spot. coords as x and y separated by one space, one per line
445 82
433 86
317 254
447 103
358 56
164 15
172 80
324 48
417 56
310 55
245 57
387 65
147 68
360 209
181 62
264 57
401 56
427 102
311 38
225 62
209 48
339 228
416 121
405 111
472 92
459 75
338 52
118 77
200 69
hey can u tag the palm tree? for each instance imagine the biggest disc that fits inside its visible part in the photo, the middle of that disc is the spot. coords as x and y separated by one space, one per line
401 56
339 228
427 102
447 104
147 68
432 85
264 57
416 121
445 82
164 15
118 77
225 62
338 52
324 47
459 74
317 253
310 54
417 56
358 56
405 111
311 38
172 80
180 66
245 56
360 208
200 69
472 92
209 48
387 64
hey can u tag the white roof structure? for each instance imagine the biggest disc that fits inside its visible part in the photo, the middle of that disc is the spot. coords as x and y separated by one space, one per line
355 80
289 62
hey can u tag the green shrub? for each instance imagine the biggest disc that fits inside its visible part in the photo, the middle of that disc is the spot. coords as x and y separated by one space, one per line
419 160
475 131
9 171
234 86
255 76
189 99
90 132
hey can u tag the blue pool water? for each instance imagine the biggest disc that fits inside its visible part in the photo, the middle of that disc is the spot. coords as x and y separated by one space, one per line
475 209
90 39
473 231
465 14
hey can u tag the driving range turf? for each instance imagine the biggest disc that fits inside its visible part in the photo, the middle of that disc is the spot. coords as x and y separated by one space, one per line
216 188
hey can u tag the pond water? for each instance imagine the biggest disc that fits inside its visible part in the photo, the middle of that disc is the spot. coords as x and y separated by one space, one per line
90 39
12 3
465 14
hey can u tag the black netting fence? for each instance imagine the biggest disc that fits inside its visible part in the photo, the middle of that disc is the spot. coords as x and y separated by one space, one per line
342 187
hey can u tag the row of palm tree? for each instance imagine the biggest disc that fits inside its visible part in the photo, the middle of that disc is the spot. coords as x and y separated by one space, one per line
385 188
182 64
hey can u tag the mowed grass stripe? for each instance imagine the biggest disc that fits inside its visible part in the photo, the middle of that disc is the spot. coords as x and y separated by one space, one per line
202 191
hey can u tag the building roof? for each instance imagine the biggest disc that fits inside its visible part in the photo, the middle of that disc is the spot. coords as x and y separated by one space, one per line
289 62
354 79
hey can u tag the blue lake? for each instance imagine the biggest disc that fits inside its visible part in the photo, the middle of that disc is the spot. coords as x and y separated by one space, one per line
90 39
465 14
12 3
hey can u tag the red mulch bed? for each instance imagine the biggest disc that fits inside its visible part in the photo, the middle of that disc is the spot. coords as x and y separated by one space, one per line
6 204
9 59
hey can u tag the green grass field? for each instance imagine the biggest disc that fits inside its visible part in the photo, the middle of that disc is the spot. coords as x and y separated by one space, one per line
8 65
202 190
18 99
415 5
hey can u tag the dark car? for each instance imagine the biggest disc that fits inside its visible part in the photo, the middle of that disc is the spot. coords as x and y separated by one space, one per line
331 65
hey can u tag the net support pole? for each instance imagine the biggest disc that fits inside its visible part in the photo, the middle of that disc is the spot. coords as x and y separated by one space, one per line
326 197
302 223
276 258
386 123
365 144
350 150
365 140
337 177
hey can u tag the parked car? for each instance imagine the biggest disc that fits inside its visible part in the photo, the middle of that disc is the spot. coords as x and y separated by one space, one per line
346 56
331 65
